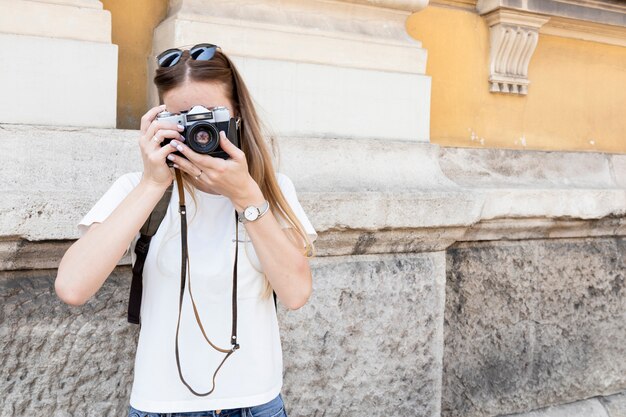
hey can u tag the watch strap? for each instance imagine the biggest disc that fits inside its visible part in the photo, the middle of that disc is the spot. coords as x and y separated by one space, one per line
262 210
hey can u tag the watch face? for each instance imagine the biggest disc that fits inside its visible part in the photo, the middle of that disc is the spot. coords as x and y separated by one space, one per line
251 213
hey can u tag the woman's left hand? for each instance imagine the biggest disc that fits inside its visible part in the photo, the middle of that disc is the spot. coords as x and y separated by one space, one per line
229 177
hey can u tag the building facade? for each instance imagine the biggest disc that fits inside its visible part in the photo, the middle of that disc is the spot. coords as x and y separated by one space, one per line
463 161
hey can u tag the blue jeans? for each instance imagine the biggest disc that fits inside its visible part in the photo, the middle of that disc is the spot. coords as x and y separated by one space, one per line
274 408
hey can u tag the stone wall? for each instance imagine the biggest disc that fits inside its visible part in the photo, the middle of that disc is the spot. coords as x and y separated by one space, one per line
527 251
63 361
533 323
527 324
369 339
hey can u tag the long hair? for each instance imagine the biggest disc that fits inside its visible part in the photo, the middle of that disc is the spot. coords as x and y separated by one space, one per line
221 70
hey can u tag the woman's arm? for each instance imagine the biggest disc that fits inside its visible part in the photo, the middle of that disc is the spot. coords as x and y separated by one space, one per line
282 259
91 259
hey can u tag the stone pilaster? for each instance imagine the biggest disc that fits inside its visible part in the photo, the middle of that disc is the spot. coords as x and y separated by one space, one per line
59 66
317 68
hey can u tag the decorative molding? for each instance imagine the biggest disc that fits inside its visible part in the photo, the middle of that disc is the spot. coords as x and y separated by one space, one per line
608 12
591 20
350 19
586 31
460 4
515 26
513 38
404 5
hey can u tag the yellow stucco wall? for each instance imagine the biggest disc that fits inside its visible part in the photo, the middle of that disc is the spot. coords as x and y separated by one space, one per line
133 23
576 99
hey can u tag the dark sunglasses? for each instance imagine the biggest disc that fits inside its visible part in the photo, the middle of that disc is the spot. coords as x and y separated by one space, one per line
199 52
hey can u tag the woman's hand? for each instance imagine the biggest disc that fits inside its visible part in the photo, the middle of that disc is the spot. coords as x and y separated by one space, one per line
228 177
153 132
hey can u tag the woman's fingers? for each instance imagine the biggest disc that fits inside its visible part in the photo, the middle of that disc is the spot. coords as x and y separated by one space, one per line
230 148
196 158
182 163
157 126
161 154
154 155
150 115
162 134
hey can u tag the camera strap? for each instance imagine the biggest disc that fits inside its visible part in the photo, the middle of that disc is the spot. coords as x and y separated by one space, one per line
142 246
184 266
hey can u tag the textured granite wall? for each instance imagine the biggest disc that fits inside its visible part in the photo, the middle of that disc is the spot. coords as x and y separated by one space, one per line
63 361
369 343
369 340
533 323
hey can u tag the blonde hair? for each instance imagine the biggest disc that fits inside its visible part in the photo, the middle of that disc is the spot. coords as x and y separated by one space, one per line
221 70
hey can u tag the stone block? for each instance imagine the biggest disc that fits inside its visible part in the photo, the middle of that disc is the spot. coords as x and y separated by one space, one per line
615 405
335 33
619 166
506 168
361 165
533 323
64 83
536 184
60 360
369 340
585 408
83 20
300 99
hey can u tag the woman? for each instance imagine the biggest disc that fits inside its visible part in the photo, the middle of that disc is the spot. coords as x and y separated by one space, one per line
176 371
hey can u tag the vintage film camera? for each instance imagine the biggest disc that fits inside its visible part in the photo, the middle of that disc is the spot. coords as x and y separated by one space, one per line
202 127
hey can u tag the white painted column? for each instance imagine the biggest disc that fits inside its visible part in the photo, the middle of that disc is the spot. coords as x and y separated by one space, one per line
58 65
316 68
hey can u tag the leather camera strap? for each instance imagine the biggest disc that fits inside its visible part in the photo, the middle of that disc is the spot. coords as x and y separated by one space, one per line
184 266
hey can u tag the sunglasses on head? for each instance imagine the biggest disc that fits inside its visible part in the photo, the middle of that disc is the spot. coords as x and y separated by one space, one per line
199 52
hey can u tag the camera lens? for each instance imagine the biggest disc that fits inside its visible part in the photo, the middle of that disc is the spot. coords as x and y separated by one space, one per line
203 138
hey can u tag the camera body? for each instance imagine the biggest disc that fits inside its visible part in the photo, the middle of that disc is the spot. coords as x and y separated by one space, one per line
201 129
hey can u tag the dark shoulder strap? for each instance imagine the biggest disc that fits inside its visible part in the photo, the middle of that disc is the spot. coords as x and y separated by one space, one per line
148 230
275 306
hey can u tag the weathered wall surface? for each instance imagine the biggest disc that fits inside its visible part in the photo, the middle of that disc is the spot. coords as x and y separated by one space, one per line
527 324
369 339
610 406
533 323
63 361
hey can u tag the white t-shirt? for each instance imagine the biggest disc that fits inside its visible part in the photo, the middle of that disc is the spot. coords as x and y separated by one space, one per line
252 375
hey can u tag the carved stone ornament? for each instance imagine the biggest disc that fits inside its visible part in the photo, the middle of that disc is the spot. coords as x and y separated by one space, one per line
514 27
513 38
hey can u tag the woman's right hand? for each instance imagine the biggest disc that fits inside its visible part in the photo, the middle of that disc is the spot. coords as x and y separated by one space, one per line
153 132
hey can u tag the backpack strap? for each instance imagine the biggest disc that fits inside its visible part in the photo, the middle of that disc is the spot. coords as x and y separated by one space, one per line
148 230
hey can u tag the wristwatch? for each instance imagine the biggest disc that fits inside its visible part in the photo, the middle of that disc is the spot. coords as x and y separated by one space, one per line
253 213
